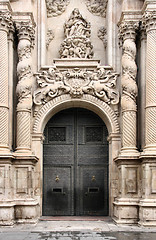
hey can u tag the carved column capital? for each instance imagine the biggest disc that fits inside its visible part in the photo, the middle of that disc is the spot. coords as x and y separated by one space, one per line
6 22
127 30
26 30
149 20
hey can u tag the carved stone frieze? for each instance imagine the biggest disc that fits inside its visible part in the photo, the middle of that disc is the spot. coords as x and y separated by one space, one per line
76 82
50 37
56 7
6 22
102 34
97 7
77 43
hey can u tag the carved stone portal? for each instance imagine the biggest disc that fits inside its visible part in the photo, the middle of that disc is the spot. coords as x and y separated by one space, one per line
76 81
77 43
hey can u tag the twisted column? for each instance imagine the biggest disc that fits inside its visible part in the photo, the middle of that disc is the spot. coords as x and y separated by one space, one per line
129 87
150 134
6 25
24 87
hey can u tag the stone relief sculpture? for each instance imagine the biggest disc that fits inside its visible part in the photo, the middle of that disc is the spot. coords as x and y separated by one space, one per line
56 7
50 37
77 43
97 7
102 34
76 82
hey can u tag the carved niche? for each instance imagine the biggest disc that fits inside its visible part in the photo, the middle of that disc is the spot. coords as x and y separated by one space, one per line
56 7
99 82
97 7
77 42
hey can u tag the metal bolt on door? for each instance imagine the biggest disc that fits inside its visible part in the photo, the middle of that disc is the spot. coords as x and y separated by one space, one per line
75 164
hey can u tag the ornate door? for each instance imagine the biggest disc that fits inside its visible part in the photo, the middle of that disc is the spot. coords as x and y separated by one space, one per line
75 164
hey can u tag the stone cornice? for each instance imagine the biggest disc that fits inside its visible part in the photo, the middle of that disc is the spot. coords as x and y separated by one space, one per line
6 22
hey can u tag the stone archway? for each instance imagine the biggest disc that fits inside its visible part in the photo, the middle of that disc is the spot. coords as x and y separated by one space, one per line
89 102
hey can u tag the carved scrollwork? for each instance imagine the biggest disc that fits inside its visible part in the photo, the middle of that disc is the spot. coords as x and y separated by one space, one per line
77 43
97 7
56 7
76 82
6 21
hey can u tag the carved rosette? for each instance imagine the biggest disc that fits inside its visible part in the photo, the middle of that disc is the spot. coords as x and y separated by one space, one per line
76 82
56 7
77 43
97 7
24 87
129 87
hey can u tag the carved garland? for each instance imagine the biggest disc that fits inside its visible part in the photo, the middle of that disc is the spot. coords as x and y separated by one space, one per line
97 7
76 82
56 7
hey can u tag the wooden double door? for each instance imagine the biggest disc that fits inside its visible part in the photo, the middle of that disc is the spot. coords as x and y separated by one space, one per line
75 165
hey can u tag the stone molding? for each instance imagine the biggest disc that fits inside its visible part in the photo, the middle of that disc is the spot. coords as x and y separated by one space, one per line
97 7
77 42
6 22
56 7
100 82
86 100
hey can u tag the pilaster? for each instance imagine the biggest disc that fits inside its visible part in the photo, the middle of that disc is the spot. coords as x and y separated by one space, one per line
6 26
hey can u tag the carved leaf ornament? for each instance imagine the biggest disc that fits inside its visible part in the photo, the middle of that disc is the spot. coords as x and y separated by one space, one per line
56 7
97 7
76 82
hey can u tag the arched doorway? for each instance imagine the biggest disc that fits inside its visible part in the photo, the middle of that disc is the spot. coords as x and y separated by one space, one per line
75 164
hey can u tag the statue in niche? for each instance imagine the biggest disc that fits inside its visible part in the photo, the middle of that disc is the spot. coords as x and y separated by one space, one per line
77 43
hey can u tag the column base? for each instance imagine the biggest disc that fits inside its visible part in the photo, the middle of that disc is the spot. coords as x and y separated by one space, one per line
6 213
147 213
126 211
26 211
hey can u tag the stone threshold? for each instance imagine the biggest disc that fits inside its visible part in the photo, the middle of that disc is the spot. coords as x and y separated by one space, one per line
75 218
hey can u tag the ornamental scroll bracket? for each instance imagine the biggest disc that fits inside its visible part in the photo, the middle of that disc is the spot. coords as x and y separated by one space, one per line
76 81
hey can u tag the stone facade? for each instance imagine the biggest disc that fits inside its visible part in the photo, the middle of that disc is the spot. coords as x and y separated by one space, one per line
99 55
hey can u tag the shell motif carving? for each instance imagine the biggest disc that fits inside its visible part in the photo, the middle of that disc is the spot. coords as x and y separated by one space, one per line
77 43
97 7
76 82
56 7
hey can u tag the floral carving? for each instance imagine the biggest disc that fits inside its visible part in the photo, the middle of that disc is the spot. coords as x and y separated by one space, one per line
50 37
76 82
6 21
102 34
97 7
56 7
149 20
77 43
